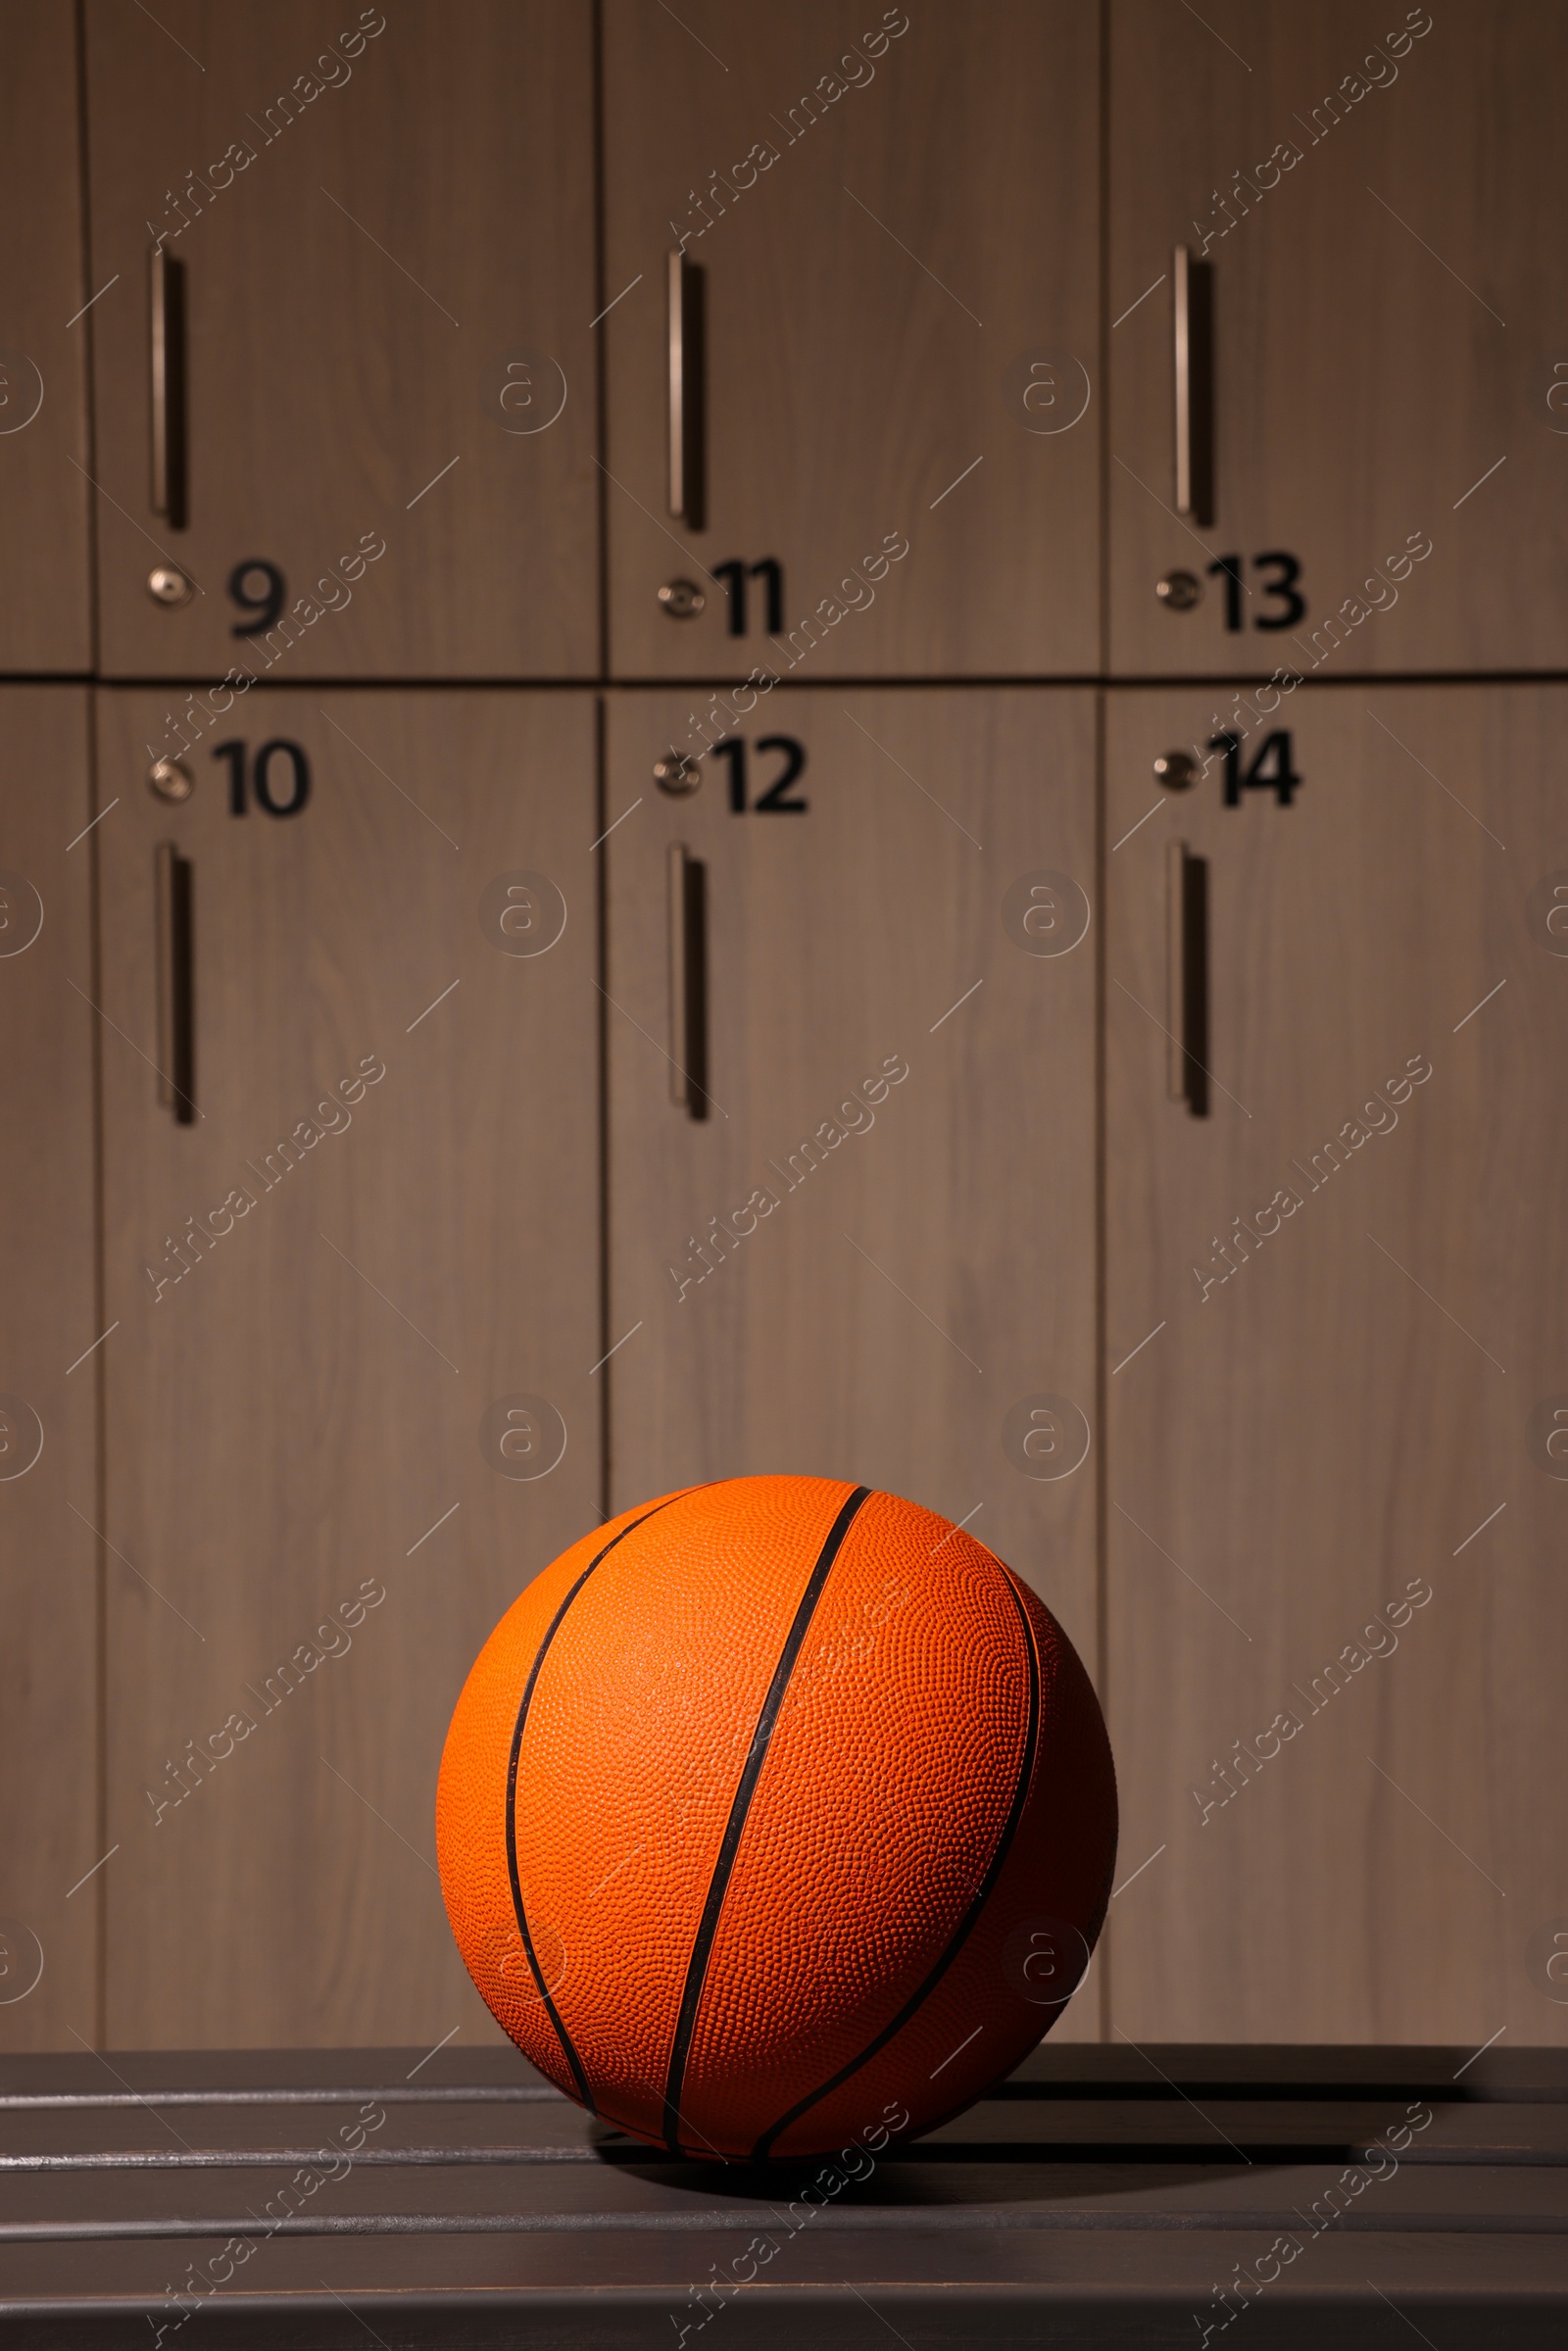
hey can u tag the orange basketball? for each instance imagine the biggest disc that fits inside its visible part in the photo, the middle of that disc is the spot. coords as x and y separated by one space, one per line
776 1814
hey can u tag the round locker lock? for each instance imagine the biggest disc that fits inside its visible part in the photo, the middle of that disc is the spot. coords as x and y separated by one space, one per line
166 779
677 774
168 584
1180 590
682 598
1177 770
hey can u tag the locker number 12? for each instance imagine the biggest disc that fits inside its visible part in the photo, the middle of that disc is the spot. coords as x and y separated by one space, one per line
776 800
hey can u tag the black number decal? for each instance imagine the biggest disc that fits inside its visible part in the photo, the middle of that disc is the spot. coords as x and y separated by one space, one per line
1272 770
262 776
264 609
1284 588
234 754
1288 566
261 781
735 574
774 802
1229 569
773 571
734 749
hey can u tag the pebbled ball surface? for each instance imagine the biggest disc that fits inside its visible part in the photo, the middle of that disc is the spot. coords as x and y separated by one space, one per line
811 1797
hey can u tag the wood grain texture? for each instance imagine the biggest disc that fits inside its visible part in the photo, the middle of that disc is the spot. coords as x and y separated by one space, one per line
1388 304
46 619
1339 1399
299 1412
932 1267
48 1565
396 224
918 222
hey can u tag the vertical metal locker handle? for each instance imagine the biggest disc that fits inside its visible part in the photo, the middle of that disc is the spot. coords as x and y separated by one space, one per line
686 300
158 341
1182 358
676 296
166 340
688 982
1176 970
1187 978
680 1085
176 1011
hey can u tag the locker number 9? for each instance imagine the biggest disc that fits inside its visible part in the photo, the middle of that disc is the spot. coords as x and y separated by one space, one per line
257 587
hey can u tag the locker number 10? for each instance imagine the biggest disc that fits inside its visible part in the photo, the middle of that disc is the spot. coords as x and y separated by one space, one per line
277 778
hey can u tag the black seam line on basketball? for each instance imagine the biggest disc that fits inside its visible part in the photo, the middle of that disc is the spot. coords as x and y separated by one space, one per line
551 2010
972 1917
719 1886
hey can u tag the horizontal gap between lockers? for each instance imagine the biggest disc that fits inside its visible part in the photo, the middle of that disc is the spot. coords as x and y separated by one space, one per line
941 682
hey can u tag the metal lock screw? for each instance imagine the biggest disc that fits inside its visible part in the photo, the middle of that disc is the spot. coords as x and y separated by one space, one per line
676 773
168 584
168 780
1176 770
1180 590
682 598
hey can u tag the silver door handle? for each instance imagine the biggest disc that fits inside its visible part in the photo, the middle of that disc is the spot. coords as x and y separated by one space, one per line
166 342
177 1022
1182 370
676 299
680 1084
688 981
1176 970
1187 1079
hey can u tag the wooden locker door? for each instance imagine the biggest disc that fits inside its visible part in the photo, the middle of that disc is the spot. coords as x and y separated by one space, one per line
889 230
357 1297
49 1495
1374 201
45 617
1339 1380
873 1257
382 242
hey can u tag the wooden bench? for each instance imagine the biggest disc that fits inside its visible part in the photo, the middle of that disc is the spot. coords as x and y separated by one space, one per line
324 2200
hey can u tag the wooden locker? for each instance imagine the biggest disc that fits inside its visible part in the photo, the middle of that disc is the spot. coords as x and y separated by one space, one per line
45 614
1378 355
50 1360
872 1256
376 440
357 1292
888 230
1336 1370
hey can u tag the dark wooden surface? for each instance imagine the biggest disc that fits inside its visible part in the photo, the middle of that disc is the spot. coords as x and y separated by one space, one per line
1102 2195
